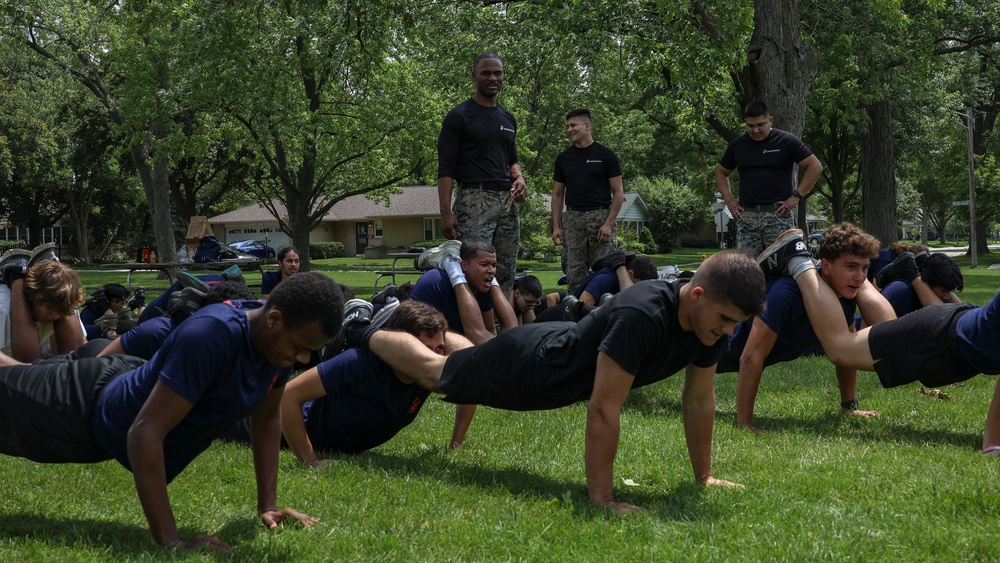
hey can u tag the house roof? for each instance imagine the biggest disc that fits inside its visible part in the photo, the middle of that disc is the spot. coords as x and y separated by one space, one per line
412 201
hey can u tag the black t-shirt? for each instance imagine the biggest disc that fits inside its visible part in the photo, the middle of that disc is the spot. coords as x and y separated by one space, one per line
639 330
586 173
476 143
765 166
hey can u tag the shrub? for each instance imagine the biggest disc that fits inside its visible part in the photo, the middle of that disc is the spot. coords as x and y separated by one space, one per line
321 250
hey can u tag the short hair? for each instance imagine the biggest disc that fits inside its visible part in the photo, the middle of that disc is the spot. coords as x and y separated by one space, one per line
898 248
643 268
528 284
941 270
483 57
226 291
347 291
733 277
308 297
416 318
115 291
472 245
582 113
403 291
56 285
284 250
756 109
845 239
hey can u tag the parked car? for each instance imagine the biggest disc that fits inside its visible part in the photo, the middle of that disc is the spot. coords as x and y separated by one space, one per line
815 236
254 247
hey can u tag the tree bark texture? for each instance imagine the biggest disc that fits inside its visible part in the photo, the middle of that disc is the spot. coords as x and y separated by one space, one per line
878 174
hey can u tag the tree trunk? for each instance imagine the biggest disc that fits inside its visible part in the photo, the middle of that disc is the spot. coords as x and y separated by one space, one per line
79 212
155 178
780 66
878 175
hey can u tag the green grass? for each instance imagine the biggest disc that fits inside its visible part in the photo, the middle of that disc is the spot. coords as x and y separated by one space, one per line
908 485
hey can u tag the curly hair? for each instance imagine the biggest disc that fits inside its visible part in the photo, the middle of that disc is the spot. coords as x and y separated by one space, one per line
307 297
56 285
845 239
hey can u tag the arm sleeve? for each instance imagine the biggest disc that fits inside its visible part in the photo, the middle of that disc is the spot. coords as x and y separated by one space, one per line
613 165
448 141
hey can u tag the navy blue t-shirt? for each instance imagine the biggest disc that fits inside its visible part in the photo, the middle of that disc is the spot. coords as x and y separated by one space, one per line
158 307
434 288
365 403
211 361
875 265
268 280
476 143
586 173
144 340
765 166
902 297
598 283
978 337
785 314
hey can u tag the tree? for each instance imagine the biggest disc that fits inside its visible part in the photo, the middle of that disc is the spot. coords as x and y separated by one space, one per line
675 209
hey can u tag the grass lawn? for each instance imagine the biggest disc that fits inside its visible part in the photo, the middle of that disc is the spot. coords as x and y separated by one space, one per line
908 485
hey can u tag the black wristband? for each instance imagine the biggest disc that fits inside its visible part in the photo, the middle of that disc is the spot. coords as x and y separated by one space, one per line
851 405
795 193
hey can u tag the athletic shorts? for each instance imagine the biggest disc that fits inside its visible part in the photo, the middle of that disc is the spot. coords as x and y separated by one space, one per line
503 372
45 408
920 346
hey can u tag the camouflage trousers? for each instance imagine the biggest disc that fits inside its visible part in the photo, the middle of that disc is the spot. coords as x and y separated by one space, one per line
580 246
492 216
755 231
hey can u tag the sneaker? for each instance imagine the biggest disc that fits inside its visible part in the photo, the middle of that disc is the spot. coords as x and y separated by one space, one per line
571 308
182 304
611 260
187 280
138 299
562 280
13 265
605 299
432 257
357 317
671 270
233 273
43 253
904 267
382 315
774 260
920 257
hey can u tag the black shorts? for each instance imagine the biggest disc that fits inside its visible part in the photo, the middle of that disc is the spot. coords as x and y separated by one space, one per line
504 372
920 346
45 408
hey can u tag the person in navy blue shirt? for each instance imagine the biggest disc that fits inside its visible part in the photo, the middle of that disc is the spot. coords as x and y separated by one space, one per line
354 401
604 280
766 159
226 362
937 345
932 283
783 332
466 290
288 266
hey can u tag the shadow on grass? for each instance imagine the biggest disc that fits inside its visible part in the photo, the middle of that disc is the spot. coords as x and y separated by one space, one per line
118 540
684 502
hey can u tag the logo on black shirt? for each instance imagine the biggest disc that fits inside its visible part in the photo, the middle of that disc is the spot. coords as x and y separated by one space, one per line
502 129
589 161
772 150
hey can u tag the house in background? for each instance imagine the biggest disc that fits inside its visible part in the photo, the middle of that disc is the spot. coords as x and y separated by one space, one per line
356 221
361 224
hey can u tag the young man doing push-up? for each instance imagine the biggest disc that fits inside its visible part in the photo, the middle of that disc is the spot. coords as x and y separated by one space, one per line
653 330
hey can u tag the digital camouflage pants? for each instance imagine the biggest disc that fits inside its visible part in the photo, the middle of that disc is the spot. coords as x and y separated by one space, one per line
755 231
580 246
492 216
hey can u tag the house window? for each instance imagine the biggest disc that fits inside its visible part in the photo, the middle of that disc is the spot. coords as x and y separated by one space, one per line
378 228
432 229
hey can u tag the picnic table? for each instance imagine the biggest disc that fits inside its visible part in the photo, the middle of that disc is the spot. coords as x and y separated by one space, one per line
407 269
168 268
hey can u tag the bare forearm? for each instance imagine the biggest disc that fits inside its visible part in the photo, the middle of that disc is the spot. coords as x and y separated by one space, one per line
603 433
699 423
149 473
266 445
747 385
293 426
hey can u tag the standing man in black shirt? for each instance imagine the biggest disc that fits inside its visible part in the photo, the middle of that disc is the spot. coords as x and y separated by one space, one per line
476 149
766 158
588 178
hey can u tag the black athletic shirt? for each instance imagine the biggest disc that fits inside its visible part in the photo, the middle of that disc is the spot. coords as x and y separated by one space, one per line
765 166
586 173
476 143
640 331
